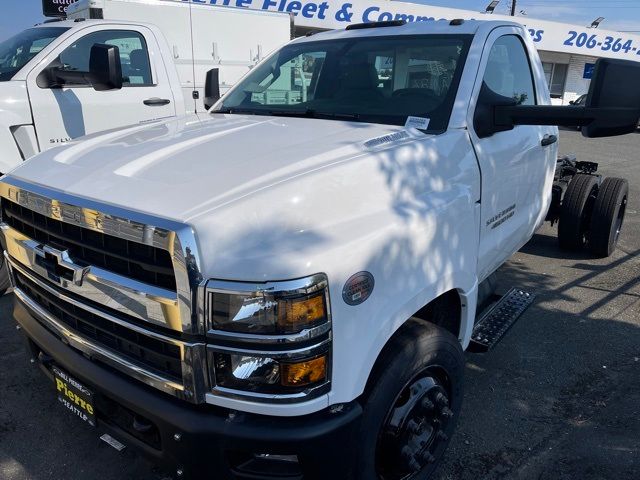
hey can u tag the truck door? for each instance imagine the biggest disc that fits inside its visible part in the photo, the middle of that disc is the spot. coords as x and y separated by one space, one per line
74 110
516 166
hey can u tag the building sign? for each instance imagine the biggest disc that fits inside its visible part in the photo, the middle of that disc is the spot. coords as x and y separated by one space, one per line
55 8
588 70
550 36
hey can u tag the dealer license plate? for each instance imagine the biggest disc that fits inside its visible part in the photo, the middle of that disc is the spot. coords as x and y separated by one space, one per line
74 396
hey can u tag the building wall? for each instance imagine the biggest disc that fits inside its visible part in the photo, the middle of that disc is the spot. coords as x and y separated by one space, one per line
577 85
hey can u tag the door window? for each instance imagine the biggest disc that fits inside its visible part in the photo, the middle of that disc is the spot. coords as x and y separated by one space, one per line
509 72
134 55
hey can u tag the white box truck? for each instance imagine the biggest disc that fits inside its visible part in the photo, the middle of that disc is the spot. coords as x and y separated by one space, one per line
164 51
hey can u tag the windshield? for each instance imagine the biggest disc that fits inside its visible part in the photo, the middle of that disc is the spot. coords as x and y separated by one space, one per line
17 51
369 79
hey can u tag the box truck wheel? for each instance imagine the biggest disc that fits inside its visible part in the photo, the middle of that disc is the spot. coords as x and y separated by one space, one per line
4 276
411 404
575 212
608 216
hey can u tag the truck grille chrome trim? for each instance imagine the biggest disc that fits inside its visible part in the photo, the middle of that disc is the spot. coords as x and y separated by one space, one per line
161 306
192 386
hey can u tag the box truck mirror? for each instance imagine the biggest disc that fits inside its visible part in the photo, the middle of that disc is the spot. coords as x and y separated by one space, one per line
212 88
105 68
612 107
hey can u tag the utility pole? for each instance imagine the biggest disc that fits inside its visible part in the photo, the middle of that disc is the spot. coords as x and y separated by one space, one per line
513 8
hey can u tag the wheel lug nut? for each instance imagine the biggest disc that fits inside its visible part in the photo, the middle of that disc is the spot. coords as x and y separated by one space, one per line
442 400
446 413
427 404
427 457
414 427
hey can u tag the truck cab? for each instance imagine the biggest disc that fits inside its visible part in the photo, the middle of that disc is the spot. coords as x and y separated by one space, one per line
164 50
285 288
41 113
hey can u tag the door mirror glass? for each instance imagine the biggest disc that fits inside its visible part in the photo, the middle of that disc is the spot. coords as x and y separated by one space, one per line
105 68
212 88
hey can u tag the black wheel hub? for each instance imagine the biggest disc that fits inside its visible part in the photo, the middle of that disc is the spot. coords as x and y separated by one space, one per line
414 429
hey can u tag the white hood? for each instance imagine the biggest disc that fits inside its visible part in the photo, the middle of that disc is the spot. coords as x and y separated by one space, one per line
268 197
183 168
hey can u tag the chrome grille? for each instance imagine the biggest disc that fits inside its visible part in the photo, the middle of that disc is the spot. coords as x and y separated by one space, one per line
144 263
155 354
119 286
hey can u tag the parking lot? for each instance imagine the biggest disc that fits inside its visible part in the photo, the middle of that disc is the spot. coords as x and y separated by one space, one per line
558 398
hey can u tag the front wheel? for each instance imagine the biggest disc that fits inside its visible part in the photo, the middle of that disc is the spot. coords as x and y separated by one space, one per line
411 405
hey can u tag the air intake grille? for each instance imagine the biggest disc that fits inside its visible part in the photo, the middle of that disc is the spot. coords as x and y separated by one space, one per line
152 353
140 262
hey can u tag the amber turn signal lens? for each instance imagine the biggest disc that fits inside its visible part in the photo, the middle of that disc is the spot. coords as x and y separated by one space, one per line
303 373
295 314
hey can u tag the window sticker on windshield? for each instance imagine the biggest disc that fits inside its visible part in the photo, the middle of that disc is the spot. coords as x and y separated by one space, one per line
420 123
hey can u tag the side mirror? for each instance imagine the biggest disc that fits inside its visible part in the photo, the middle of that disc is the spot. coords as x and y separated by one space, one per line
212 88
615 98
105 68
612 107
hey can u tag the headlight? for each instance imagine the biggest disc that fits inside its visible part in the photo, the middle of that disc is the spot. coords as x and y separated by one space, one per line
277 308
269 375
271 341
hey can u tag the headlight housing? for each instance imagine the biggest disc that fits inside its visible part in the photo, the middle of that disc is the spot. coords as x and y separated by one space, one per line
271 340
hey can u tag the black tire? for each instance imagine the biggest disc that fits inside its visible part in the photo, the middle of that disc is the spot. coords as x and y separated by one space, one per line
607 218
421 363
575 212
4 276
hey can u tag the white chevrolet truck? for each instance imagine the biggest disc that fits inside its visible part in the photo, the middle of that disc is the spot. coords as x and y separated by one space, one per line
284 286
55 88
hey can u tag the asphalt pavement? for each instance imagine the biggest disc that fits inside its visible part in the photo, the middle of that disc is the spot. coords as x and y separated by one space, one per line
558 398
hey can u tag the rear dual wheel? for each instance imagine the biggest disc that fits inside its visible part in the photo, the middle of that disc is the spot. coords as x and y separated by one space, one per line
608 215
575 213
412 404
592 215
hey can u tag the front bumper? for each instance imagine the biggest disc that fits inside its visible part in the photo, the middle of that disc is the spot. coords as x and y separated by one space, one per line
204 441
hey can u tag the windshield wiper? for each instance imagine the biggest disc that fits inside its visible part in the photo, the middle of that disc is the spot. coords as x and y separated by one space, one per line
307 113
338 116
310 113
293 113
234 110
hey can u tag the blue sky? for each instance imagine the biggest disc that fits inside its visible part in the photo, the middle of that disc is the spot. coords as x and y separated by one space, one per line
620 14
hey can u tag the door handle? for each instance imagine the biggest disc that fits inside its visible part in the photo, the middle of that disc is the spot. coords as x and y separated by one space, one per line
549 140
156 102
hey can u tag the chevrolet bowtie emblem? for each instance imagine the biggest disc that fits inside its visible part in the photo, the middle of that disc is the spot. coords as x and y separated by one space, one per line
60 266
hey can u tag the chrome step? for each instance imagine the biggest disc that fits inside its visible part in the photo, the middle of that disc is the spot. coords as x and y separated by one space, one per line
496 320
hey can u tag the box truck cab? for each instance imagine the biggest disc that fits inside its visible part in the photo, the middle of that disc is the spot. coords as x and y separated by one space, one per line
49 94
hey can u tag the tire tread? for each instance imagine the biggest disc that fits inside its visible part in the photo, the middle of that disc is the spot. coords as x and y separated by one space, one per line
602 241
573 204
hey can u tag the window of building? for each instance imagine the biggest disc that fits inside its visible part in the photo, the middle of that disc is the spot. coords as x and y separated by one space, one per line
556 75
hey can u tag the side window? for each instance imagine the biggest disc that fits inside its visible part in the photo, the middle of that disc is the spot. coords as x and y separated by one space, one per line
509 72
134 55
